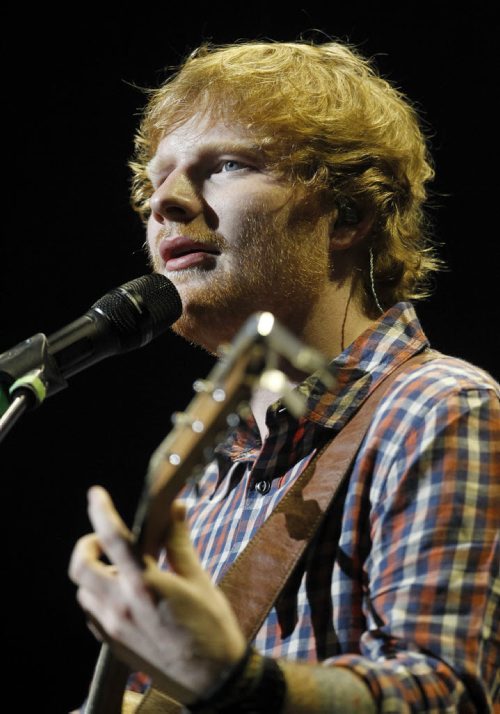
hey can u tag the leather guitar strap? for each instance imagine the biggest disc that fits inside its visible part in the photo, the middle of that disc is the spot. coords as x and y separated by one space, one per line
256 578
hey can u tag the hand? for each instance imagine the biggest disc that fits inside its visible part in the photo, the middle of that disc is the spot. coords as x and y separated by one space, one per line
178 621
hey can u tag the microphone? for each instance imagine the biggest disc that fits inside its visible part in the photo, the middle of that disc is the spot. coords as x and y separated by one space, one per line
124 319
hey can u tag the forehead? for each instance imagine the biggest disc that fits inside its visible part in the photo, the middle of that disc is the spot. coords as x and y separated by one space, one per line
201 134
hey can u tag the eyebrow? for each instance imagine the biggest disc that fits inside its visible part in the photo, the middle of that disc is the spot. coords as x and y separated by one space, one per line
215 147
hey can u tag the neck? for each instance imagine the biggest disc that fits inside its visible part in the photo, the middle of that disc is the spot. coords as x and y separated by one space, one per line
335 321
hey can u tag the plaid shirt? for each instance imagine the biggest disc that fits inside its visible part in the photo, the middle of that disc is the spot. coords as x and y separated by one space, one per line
409 599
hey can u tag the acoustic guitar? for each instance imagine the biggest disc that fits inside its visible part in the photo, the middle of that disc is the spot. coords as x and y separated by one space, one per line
254 359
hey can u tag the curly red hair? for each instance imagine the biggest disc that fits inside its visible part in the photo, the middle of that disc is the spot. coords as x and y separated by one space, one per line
324 117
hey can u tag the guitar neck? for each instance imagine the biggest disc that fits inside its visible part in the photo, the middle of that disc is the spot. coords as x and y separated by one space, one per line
108 684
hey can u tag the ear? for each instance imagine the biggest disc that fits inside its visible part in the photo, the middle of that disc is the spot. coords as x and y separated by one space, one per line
346 232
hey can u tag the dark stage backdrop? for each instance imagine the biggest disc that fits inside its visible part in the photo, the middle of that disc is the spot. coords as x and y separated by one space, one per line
70 109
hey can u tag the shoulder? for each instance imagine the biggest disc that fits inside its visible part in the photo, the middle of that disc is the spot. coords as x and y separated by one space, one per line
439 422
443 377
444 394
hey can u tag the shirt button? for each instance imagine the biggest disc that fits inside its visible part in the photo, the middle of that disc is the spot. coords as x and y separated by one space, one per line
263 487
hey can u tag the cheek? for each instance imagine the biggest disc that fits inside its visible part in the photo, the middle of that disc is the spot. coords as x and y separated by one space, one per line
253 217
249 201
151 231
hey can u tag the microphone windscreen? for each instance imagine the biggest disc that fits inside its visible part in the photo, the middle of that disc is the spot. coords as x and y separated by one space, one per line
141 309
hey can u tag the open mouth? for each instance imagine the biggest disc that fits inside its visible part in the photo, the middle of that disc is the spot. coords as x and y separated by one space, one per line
181 248
181 253
189 251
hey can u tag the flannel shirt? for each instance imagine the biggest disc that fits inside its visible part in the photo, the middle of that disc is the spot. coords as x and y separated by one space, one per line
404 588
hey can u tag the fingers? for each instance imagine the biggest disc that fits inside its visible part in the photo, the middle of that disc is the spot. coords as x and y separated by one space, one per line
114 536
189 627
181 553
101 585
105 622
166 585
127 583
116 540
86 568
111 538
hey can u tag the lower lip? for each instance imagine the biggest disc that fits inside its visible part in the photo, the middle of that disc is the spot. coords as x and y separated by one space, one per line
190 260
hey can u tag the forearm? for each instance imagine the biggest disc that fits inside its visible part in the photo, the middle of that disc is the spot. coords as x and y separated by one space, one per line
263 684
313 689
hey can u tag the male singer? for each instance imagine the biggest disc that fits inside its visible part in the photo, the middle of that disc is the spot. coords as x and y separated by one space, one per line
291 178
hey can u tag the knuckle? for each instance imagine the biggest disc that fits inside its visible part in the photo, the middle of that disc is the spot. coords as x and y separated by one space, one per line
115 622
85 553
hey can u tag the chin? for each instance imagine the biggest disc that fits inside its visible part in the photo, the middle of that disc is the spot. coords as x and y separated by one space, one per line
206 330
193 332
212 314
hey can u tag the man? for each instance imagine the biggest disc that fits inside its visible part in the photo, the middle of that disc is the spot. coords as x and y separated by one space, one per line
290 178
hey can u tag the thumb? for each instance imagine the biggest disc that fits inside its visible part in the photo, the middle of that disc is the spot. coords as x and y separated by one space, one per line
182 556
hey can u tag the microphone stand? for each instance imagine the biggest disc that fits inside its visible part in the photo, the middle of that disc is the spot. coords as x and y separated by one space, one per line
14 411
28 374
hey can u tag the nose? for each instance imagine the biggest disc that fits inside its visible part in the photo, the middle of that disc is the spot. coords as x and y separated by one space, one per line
176 199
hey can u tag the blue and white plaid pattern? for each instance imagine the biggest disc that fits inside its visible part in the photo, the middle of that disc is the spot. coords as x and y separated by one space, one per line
410 598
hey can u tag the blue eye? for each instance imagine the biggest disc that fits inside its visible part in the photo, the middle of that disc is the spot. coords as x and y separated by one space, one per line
232 165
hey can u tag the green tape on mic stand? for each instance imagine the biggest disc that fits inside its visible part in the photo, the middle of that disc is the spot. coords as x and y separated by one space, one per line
34 382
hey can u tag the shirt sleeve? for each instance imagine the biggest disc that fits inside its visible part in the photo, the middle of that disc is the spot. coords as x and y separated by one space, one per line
432 594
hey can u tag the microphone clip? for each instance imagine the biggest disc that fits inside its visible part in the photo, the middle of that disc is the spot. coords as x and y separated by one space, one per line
29 366
28 374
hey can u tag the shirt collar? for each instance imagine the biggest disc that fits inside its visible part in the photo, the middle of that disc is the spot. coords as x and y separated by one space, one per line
380 349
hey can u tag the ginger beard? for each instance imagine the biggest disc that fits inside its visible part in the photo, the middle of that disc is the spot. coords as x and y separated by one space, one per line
278 263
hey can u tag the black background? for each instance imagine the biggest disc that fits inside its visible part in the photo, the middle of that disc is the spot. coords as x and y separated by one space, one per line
70 109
